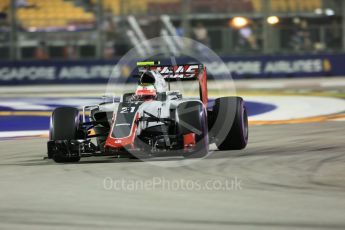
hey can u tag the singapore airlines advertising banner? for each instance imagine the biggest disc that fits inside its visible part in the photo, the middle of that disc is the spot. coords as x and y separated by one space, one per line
38 72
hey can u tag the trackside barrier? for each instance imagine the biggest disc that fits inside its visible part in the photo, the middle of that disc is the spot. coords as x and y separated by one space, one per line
275 66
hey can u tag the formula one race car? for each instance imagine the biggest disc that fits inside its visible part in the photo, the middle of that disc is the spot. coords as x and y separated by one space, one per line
152 121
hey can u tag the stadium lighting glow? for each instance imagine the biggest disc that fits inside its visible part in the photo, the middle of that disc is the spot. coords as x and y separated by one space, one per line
32 29
296 20
273 20
71 28
318 11
329 12
239 22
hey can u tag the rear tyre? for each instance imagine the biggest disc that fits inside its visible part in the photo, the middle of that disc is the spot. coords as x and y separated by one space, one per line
230 123
192 119
64 126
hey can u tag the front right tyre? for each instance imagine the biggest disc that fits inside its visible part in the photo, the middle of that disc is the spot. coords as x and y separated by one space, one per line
192 118
64 126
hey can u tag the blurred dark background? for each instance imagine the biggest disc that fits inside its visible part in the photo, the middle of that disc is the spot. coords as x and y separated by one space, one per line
107 29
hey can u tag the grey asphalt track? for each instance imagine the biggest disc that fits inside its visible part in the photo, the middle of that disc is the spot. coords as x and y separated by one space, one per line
289 177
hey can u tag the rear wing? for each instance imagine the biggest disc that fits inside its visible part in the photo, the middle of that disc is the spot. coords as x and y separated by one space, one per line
180 72
171 72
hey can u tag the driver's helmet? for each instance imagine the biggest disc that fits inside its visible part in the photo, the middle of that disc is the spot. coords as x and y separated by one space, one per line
146 89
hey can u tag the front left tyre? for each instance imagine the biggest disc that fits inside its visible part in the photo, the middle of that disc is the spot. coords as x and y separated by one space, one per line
229 123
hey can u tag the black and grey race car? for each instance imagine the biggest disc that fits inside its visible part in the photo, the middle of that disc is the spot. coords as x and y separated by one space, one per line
152 121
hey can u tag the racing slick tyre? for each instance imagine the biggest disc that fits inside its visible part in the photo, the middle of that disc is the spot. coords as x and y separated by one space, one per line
64 127
229 123
192 119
